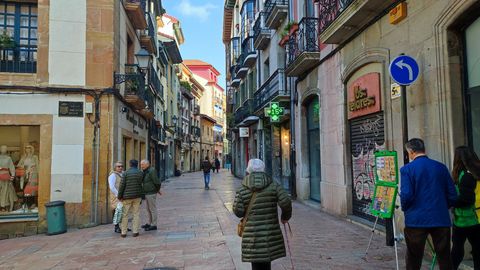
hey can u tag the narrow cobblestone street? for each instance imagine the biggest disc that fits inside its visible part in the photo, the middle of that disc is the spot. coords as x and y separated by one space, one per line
197 231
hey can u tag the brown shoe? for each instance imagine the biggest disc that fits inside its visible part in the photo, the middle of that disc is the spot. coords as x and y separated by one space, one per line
135 234
123 235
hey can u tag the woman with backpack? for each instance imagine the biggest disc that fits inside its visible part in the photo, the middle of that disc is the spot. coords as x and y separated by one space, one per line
466 225
256 202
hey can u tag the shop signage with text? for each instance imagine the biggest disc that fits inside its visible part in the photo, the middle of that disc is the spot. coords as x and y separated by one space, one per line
244 132
364 95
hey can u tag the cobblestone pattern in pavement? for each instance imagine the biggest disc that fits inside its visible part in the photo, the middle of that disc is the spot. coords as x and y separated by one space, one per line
197 231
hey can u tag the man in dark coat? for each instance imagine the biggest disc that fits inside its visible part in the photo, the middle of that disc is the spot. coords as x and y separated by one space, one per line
262 239
217 164
151 186
130 194
207 167
427 192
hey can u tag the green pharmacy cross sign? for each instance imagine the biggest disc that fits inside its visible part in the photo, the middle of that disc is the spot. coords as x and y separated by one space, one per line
274 112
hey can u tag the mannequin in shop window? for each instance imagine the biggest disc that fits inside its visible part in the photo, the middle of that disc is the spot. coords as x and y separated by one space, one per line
29 163
8 196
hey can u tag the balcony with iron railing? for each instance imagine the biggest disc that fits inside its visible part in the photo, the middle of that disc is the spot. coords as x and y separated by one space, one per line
241 70
179 133
249 52
261 33
341 19
275 12
147 112
136 13
134 85
147 36
272 90
154 130
154 82
303 48
18 59
244 111
195 131
196 109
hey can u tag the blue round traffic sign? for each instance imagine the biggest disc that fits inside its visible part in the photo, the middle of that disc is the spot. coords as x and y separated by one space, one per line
404 70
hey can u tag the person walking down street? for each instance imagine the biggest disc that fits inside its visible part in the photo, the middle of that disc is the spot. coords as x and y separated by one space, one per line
217 164
116 206
262 238
466 172
130 194
151 186
207 167
426 193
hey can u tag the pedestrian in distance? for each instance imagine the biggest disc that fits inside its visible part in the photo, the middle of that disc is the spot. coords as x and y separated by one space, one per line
466 172
217 164
130 194
207 167
116 206
151 186
256 201
427 192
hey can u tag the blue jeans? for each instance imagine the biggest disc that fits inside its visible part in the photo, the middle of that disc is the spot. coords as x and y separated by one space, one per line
206 179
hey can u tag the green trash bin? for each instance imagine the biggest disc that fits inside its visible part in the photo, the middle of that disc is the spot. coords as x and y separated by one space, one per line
56 223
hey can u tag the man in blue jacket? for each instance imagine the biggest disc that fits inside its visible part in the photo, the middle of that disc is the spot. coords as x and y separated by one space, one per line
426 193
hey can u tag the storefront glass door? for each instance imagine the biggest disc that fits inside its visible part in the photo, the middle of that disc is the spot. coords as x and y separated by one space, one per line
313 126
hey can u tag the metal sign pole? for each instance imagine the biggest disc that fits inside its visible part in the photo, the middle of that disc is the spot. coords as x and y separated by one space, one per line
396 240
403 89
371 238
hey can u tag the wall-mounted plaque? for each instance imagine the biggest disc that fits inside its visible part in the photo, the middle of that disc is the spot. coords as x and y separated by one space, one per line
70 109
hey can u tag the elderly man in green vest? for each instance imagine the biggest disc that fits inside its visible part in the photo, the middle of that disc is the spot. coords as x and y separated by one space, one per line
151 186
130 193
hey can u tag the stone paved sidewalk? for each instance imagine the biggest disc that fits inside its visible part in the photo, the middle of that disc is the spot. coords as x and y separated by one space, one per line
197 231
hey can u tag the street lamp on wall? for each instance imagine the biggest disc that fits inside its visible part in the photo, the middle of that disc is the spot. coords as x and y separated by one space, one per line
143 58
174 121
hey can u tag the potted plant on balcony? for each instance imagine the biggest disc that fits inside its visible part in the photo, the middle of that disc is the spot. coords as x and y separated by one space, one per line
131 87
6 42
290 29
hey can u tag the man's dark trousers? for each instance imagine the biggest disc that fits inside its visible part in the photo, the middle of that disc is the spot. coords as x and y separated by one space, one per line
416 237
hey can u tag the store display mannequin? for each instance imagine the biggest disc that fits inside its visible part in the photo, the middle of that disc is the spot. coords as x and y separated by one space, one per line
8 196
29 162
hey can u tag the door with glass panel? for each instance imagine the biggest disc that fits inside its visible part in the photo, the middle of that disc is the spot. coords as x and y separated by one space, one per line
313 133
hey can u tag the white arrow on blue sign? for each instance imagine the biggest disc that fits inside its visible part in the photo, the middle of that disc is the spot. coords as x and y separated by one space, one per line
404 70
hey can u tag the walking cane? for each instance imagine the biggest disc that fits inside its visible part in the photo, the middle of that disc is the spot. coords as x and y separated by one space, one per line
288 242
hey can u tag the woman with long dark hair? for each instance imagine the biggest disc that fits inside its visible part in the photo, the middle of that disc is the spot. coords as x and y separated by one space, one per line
466 172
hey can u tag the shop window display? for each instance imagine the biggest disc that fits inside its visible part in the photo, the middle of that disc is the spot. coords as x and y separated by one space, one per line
19 170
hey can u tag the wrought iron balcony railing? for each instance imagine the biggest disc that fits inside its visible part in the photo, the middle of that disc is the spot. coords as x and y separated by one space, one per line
244 111
154 130
155 81
305 39
149 100
330 10
196 131
260 32
19 59
134 80
272 88
151 28
275 11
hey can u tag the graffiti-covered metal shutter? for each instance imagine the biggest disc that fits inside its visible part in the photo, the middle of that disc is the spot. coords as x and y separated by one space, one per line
366 136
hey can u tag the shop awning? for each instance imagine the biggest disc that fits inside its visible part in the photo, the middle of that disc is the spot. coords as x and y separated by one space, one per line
248 121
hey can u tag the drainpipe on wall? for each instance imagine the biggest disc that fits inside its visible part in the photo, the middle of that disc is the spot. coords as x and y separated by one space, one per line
293 156
97 155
